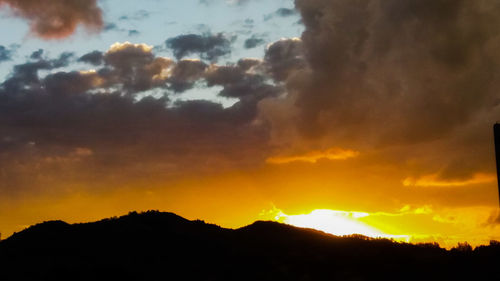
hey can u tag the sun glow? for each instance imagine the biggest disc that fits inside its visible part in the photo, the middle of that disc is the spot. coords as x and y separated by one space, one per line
338 223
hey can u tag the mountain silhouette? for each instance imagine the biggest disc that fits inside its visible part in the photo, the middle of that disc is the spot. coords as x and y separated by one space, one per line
163 246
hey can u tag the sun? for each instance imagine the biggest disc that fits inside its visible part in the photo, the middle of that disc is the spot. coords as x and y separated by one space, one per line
335 222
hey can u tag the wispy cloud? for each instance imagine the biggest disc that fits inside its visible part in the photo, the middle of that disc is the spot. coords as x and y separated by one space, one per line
434 180
315 156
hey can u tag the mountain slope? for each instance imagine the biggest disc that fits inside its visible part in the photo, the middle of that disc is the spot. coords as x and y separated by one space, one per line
164 246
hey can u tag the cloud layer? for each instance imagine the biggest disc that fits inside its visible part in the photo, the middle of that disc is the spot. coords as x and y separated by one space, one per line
208 46
416 78
121 118
410 85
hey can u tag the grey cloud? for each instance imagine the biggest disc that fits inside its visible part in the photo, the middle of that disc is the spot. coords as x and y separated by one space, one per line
224 75
285 56
25 76
134 67
64 124
208 46
253 42
408 73
5 54
36 55
110 26
63 60
285 12
248 81
58 128
127 56
238 82
69 83
94 58
248 63
416 41
281 12
26 73
185 73
133 32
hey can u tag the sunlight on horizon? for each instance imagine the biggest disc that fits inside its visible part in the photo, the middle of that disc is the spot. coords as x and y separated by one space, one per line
339 223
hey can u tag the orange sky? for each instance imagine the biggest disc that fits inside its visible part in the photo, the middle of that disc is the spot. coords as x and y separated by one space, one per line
377 117
446 214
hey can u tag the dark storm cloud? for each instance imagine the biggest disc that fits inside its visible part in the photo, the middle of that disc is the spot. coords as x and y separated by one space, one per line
237 81
63 60
248 63
209 47
398 72
119 139
224 75
185 73
285 56
94 58
429 60
253 42
69 83
5 54
88 127
126 56
60 18
25 76
134 67
248 81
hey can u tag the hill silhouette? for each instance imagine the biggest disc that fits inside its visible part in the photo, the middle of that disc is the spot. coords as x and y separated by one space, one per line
163 246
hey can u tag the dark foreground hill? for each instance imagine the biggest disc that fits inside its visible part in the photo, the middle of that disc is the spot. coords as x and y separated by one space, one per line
164 246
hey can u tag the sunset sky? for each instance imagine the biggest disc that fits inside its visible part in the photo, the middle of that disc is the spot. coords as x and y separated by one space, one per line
371 115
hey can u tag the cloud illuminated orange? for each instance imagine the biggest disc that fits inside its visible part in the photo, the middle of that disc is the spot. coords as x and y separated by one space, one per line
57 18
314 156
433 180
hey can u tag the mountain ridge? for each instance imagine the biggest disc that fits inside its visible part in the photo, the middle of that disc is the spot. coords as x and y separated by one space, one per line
156 246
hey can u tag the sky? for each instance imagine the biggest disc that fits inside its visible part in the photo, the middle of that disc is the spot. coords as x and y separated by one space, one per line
372 116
